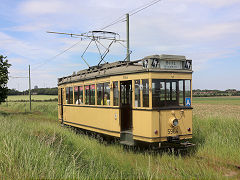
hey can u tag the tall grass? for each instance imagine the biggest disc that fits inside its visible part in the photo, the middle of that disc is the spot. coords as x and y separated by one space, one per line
34 145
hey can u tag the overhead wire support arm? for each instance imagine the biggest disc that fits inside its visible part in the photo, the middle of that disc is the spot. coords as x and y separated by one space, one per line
130 51
106 35
84 53
105 53
92 36
99 51
96 36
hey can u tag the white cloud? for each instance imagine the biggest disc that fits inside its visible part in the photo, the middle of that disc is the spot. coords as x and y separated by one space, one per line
217 3
201 30
213 31
42 7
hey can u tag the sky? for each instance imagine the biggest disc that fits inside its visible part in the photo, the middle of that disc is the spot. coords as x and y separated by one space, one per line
205 31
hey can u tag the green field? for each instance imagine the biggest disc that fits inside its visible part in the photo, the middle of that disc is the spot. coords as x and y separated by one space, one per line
33 97
232 100
34 145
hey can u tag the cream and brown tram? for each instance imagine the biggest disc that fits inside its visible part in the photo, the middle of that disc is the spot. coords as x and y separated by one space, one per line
142 101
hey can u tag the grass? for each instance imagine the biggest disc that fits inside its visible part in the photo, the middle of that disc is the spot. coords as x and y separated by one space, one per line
34 145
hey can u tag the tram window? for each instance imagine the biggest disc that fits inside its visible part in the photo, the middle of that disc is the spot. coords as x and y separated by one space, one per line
174 91
170 92
181 97
137 93
76 95
115 93
92 94
162 93
158 93
87 94
103 94
80 94
67 95
59 96
145 84
70 95
187 89
99 93
106 100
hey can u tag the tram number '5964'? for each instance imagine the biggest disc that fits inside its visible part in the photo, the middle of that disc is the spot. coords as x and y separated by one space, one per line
172 131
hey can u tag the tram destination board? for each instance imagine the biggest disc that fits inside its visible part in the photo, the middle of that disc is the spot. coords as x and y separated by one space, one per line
167 64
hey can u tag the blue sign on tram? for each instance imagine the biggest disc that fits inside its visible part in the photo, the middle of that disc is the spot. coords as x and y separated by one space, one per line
188 101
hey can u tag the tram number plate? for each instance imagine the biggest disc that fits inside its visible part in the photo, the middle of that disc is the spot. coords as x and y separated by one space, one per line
172 131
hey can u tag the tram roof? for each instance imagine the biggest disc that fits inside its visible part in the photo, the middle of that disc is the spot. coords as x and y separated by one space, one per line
153 63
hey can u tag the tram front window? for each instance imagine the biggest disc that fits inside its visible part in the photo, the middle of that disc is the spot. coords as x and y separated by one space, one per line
170 92
145 84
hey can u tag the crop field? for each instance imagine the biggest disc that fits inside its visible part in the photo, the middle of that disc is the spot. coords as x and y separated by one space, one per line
35 145
33 97
224 100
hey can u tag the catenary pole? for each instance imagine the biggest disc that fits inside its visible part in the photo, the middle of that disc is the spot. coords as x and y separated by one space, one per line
30 101
127 25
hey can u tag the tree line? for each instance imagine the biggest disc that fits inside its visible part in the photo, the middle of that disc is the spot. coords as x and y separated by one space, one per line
39 91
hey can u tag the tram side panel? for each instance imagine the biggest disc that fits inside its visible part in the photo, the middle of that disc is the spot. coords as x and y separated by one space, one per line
102 120
142 125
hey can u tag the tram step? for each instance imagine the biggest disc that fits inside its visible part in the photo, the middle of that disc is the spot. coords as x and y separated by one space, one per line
126 137
127 143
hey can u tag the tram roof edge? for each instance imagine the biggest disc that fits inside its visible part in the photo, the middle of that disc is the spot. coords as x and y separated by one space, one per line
128 67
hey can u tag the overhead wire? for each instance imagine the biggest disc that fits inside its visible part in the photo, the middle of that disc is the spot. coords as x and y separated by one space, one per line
131 13
47 60
118 20
147 6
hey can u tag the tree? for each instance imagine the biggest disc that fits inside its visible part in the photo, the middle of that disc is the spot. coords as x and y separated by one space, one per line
4 65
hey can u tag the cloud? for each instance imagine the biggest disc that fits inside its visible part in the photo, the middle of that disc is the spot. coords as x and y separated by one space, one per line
201 30
43 7
210 32
217 3
16 60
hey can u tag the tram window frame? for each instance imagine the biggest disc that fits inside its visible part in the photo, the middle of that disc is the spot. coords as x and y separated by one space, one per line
69 95
99 93
145 92
103 94
137 95
115 93
167 86
81 94
76 95
187 88
92 94
107 90
181 91
89 95
87 92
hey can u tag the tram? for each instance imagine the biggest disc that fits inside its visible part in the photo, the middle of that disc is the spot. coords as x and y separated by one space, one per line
143 101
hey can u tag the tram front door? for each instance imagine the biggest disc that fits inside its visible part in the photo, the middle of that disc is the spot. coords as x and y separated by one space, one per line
126 105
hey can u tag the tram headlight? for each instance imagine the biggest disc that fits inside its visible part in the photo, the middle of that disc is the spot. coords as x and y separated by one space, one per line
175 122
